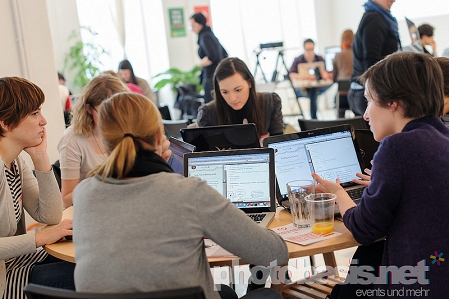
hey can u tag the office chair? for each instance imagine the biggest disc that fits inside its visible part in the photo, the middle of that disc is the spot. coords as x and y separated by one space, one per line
343 88
34 291
57 172
172 127
165 112
310 124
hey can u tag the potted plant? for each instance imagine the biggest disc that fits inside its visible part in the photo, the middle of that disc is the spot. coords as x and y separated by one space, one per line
84 58
176 78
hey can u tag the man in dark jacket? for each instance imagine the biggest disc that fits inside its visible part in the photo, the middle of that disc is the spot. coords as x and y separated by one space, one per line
210 51
376 37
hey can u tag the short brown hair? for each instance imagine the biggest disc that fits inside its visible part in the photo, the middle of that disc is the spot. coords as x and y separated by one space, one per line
414 79
18 99
94 93
444 64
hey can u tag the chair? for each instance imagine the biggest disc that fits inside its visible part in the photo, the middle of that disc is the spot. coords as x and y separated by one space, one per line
34 291
310 124
165 112
343 89
57 172
172 127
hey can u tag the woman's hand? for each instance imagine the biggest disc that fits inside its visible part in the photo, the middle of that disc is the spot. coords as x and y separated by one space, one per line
326 186
365 178
52 234
38 154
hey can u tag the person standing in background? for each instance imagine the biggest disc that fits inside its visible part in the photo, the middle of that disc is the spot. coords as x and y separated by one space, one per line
377 36
126 73
210 51
342 69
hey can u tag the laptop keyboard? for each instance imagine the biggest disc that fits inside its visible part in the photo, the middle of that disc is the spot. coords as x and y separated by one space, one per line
257 217
356 194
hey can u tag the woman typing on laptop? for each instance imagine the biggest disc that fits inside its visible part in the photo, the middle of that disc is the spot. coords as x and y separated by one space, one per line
407 197
236 101
151 221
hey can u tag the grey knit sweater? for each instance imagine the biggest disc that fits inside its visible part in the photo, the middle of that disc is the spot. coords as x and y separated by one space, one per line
147 234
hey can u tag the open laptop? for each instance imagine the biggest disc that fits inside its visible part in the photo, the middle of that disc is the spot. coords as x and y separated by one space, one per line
306 70
246 177
178 149
217 138
331 152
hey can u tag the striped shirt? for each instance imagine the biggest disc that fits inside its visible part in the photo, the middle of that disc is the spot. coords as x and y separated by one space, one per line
19 268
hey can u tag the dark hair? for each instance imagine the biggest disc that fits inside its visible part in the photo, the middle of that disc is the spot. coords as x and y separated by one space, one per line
425 29
60 76
18 99
444 64
309 40
199 18
126 65
225 69
414 80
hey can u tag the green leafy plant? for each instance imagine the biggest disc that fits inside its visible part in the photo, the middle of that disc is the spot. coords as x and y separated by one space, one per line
175 77
84 58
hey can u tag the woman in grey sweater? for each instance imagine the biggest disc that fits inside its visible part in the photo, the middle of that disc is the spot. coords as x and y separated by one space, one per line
140 227
22 259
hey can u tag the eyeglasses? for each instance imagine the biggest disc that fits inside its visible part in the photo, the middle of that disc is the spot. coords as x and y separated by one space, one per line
309 49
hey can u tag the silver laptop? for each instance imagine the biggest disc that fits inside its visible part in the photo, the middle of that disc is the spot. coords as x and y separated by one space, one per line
331 152
246 177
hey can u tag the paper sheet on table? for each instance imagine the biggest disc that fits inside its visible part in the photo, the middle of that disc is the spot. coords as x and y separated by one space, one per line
301 236
215 250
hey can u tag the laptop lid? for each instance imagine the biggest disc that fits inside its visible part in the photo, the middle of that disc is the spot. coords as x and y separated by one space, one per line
218 138
246 177
307 70
413 30
178 149
331 152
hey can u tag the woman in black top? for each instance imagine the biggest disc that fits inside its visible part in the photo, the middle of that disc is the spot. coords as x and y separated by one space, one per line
236 101
210 51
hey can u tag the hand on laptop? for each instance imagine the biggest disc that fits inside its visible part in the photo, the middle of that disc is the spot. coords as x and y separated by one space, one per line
365 178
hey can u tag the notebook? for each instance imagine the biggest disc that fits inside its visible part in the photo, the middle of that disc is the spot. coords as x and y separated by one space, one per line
178 149
331 152
246 177
217 138
306 70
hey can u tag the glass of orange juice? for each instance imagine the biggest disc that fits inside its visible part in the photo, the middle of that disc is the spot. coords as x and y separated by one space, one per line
322 209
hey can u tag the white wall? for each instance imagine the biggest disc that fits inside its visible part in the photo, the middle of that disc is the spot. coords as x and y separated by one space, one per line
27 51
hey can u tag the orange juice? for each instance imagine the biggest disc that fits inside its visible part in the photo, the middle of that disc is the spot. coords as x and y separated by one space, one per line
322 227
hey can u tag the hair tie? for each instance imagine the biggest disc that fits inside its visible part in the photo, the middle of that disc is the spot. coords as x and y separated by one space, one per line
128 135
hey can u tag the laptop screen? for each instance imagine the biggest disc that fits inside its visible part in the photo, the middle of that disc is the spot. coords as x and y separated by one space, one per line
245 177
330 152
178 149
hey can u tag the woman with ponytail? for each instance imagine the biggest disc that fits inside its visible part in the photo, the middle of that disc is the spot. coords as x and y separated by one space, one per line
140 226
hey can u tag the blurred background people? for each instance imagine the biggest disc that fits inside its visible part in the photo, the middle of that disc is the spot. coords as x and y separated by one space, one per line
376 37
210 51
426 36
236 101
65 98
126 72
342 70
311 93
